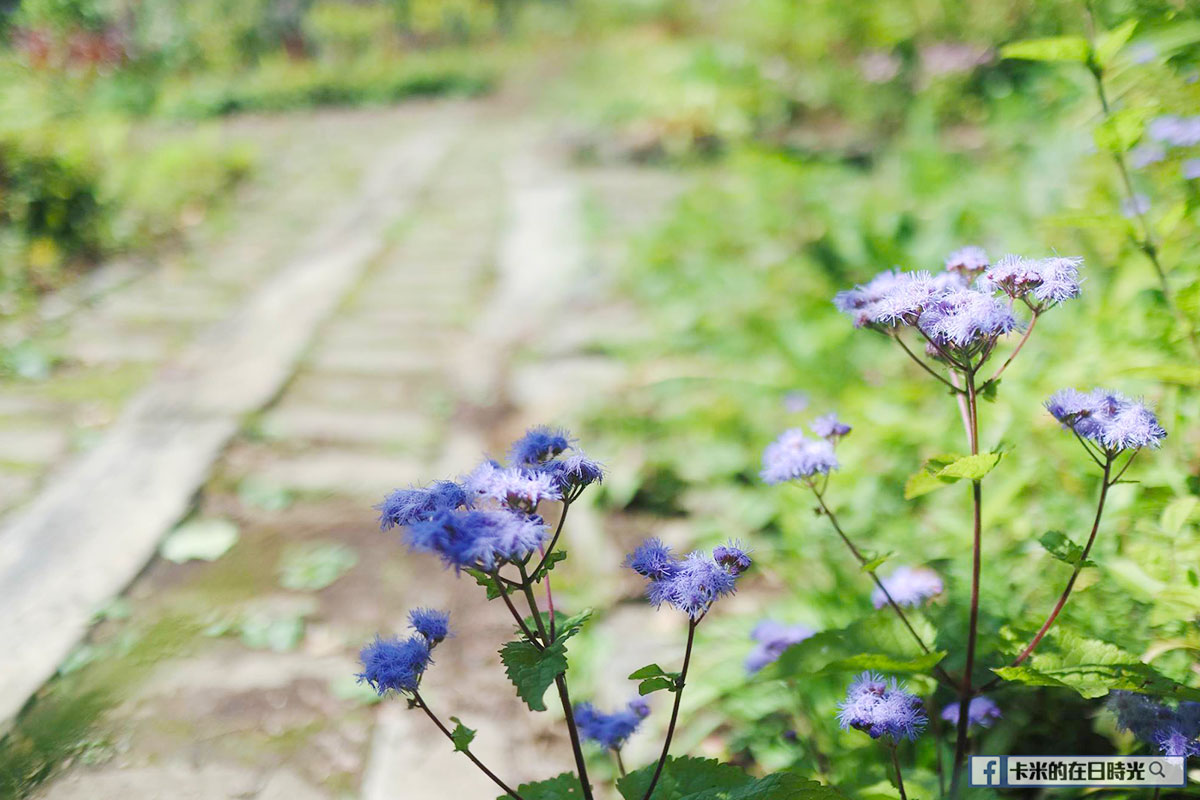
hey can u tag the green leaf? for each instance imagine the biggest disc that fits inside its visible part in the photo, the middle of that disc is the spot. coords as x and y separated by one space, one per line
199 540
1092 668
1058 545
1177 513
462 736
654 678
879 642
314 566
876 562
486 581
1121 130
1109 43
971 468
648 671
562 787
551 560
924 482
532 671
566 627
706 779
1054 48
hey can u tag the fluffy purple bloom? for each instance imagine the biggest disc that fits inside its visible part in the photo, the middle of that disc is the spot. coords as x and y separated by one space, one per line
772 639
793 455
610 731
882 709
573 473
733 557
887 298
1191 169
908 586
652 559
1174 742
691 584
1176 131
406 506
478 539
539 444
518 488
434 625
795 402
968 261
963 318
981 712
394 665
1042 281
829 426
1151 720
1107 418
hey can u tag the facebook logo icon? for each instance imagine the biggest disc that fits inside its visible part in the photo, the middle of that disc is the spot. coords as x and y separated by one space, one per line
988 771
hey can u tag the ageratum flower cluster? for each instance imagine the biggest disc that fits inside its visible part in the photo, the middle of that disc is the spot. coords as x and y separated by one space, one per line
908 586
982 712
396 665
693 583
962 311
1107 419
795 456
772 639
489 517
611 731
882 709
1174 731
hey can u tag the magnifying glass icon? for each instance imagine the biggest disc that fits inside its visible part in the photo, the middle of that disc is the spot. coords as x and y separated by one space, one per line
1156 768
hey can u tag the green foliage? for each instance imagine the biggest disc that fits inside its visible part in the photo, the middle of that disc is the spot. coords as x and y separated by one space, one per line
1058 545
707 779
1056 48
532 670
879 642
942 471
653 678
461 735
561 787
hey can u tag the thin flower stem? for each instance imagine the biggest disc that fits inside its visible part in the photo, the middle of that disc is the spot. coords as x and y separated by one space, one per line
517 615
620 763
862 560
1062 600
420 703
560 682
923 365
1028 332
1090 451
562 518
960 743
679 684
1132 456
899 776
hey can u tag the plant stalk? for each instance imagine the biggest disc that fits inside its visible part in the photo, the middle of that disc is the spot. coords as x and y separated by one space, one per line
420 703
679 684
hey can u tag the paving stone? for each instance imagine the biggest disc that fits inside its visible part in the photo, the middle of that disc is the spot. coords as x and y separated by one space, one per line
172 781
286 785
32 445
118 348
15 487
349 425
357 391
375 361
233 669
348 472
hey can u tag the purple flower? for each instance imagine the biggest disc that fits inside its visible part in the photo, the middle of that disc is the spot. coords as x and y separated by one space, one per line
477 539
394 665
981 711
1042 282
1107 418
1135 206
829 426
519 488
884 297
793 455
1191 169
1174 742
1144 716
1176 131
795 402
573 473
1146 154
406 506
733 557
652 559
610 731
434 625
908 586
966 317
539 444
968 261
882 709
772 639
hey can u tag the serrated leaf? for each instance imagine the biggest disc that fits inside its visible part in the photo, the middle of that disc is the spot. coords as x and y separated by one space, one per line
486 581
562 787
652 685
971 468
648 671
1177 513
1120 131
1061 547
315 566
1054 48
199 540
1109 43
551 560
567 627
876 562
879 642
1092 668
923 482
532 671
706 779
462 736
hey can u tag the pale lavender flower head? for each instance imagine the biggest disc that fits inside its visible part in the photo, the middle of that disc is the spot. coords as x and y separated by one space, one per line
691 584
1146 154
652 559
968 261
795 402
794 456
829 427
733 556
982 712
1108 419
882 709
1041 282
1142 52
908 586
516 487
1135 206
772 639
1191 169
966 318
1176 131
890 298
1172 741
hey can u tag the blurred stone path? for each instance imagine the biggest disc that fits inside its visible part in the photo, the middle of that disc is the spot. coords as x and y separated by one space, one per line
479 296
